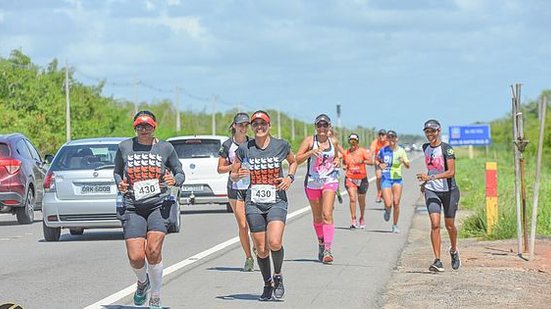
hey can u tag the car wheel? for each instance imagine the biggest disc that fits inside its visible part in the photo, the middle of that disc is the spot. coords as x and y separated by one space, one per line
25 214
176 227
51 233
76 231
228 208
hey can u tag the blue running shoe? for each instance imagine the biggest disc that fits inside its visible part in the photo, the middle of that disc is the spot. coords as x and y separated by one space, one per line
141 292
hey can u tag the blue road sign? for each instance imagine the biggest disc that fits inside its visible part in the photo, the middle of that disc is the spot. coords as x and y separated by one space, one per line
470 135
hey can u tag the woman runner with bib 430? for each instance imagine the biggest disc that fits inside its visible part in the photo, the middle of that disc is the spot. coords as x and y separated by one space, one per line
321 182
141 176
266 201
237 190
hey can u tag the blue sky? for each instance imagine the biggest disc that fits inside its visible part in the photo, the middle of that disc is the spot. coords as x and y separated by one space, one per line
390 63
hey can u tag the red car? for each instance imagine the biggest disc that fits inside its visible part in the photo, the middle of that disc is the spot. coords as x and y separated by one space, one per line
22 173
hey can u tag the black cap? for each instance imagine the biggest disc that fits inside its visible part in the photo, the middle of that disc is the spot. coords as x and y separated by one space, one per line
382 132
432 124
391 133
241 118
353 136
322 117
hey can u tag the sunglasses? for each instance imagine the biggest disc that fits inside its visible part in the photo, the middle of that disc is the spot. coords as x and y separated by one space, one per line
322 125
144 127
430 130
259 124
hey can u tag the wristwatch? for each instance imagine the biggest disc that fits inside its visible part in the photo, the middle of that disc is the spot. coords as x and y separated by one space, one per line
291 176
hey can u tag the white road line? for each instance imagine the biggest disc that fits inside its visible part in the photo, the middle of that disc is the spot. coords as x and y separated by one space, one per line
201 255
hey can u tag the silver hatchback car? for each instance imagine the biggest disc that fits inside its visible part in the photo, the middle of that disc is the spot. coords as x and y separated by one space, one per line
79 188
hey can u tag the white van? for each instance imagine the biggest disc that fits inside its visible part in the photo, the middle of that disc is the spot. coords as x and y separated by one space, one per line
199 157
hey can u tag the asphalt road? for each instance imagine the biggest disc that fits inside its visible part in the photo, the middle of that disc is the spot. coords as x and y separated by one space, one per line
203 261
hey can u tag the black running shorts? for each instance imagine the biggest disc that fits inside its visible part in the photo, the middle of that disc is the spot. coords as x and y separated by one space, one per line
449 200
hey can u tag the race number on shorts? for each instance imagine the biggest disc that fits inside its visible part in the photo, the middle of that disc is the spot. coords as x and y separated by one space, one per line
146 188
263 194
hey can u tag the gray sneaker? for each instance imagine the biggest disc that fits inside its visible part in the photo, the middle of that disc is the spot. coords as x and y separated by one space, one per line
436 266
395 229
249 265
279 289
456 262
155 302
321 248
386 215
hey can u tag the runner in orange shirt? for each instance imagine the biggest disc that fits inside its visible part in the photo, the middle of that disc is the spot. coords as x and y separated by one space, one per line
378 143
355 159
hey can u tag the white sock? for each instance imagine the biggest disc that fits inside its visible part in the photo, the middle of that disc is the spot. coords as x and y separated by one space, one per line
141 273
156 277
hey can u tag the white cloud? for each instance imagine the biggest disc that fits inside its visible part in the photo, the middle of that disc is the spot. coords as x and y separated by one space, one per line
149 5
173 2
189 25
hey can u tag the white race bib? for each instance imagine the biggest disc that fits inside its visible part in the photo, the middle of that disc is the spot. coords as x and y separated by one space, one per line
357 182
146 188
263 194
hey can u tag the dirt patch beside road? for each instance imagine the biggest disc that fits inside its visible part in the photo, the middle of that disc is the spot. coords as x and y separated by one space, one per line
491 274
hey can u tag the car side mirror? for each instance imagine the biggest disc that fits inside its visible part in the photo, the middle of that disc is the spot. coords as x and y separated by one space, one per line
48 159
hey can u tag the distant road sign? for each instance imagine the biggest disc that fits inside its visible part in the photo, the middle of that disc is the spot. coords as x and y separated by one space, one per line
470 135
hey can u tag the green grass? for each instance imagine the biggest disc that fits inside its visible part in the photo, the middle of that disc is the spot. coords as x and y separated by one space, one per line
470 176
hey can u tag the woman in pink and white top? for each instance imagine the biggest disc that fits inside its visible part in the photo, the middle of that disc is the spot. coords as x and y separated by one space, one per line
321 151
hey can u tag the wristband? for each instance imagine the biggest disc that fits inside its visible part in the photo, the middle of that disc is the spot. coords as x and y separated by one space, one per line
291 176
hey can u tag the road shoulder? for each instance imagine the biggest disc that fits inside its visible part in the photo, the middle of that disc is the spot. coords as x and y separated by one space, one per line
491 275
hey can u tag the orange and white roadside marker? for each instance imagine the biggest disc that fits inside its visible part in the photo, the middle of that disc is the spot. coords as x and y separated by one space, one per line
491 196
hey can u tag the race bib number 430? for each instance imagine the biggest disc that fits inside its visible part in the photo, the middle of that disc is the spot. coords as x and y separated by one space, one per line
146 188
263 194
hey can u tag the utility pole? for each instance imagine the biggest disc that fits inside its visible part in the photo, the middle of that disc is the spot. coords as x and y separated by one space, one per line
278 124
178 124
67 104
292 128
214 98
339 124
136 84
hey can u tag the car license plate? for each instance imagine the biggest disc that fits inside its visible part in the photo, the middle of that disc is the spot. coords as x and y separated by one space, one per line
91 189
194 188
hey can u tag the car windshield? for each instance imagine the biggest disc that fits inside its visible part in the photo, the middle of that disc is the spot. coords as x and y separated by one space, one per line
80 157
197 148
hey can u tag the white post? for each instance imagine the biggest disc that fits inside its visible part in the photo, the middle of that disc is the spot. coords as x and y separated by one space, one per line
542 111
517 168
136 84
214 98
67 104
278 123
292 128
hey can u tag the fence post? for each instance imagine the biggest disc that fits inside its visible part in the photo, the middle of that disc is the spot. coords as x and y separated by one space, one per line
491 196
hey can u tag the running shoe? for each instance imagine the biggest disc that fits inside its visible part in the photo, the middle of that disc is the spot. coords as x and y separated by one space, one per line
249 265
395 229
379 197
327 256
354 224
436 266
155 302
339 196
141 292
386 215
267 293
456 262
279 289
362 223
321 248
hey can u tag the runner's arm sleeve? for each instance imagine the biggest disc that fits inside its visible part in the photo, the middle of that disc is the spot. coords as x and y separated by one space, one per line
176 167
118 172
